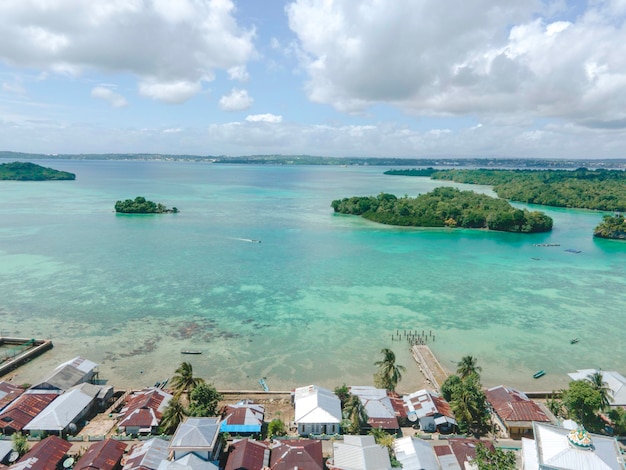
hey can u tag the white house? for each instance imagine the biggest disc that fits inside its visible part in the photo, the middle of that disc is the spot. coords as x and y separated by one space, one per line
359 453
318 411
614 380
431 410
415 454
377 404
557 448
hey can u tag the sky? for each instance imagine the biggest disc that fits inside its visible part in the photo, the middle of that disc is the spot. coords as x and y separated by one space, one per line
340 78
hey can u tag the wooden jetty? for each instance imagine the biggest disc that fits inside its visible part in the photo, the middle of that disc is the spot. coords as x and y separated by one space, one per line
429 365
31 348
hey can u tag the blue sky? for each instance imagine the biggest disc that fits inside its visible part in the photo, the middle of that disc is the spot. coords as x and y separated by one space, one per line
402 78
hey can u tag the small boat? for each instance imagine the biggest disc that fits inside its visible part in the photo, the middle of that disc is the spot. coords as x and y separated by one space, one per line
572 250
163 384
264 384
187 351
574 341
539 373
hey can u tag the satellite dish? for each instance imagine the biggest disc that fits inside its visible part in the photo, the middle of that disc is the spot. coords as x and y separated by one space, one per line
67 463
412 415
14 456
73 428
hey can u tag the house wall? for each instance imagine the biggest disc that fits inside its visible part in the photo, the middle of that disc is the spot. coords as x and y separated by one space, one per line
304 429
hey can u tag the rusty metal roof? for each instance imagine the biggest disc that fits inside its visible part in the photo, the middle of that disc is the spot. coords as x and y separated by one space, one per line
8 393
248 454
513 405
290 454
23 409
46 454
103 455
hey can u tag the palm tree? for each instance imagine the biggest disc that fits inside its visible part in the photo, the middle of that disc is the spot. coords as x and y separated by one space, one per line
599 385
185 381
173 414
389 373
355 412
468 366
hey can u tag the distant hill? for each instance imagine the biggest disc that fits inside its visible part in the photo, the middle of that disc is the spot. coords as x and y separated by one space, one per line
25 171
439 162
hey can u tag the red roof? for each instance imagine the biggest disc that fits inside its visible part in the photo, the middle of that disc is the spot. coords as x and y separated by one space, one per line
104 455
304 454
247 454
8 393
142 409
465 449
23 409
47 454
511 405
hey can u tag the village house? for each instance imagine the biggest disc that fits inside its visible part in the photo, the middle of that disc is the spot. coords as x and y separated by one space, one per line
431 411
143 411
103 455
200 436
317 411
63 415
514 412
24 408
415 454
614 380
300 454
8 393
359 453
557 448
47 454
242 419
147 455
248 454
67 375
459 453
378 405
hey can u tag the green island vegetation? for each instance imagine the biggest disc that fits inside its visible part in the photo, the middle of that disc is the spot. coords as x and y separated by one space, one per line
445 207
26 171
613 227
600 189
142 206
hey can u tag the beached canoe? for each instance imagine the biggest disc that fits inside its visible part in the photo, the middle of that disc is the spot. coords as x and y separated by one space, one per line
538 374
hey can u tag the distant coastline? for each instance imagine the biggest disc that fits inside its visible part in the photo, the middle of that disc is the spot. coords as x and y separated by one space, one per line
444 161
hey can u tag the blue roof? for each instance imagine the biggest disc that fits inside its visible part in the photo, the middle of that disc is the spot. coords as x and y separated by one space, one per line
235 428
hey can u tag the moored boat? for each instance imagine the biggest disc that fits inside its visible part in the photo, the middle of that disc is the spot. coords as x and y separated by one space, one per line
186 351
539 373
574 341
264 384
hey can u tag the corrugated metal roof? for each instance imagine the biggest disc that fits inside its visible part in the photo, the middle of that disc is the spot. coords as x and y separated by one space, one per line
61 412
196 434
614 380
415 454
23 409
378 406
148 455
45 455
188 462
249 414
315 404
103 455
360 453
144 408
554 450
248 454
8 393
303 454
512 405
427 403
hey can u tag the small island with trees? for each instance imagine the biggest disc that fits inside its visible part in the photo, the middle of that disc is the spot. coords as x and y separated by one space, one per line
26 171
445 207
140 205
613 227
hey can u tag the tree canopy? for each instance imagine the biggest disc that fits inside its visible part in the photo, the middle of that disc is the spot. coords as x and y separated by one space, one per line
611 227
141 206
203 400
26 171
184 379
389 373
582 188
445 207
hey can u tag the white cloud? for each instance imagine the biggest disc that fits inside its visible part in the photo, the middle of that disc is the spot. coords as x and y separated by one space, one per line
114 99
13 87
239 73
463 57
172 92
272 118
238 100
157 41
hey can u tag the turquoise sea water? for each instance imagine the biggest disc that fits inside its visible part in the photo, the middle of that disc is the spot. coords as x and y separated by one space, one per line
314 302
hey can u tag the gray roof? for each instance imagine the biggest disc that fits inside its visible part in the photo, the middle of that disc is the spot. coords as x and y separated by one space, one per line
552 448
6 447
58 415
188 462
68 374
614 380
415 454
148 455
360 453
196 434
